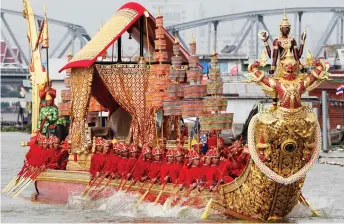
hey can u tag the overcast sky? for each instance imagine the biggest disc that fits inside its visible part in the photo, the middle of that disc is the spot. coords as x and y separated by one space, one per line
91 13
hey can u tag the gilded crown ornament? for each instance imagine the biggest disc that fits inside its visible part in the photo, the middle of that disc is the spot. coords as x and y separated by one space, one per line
285 22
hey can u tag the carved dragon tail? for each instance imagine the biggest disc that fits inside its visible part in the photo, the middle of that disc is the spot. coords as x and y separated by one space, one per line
243 134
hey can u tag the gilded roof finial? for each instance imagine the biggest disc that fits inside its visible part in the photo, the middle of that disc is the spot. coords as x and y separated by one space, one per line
45 9
285 22
70 53
159 11
176 40
214 52
192 39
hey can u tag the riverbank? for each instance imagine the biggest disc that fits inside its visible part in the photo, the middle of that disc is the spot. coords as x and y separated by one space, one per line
22 129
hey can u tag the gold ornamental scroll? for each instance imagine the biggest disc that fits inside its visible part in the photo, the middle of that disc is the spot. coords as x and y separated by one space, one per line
81 82
128 85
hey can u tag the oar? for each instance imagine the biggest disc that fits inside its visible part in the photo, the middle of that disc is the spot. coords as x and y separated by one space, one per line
144 195
131 172
15 180
99 182
180 202
169 199
90 183
303 200
131 184
205 214
159 195
143 184
30 180
24 180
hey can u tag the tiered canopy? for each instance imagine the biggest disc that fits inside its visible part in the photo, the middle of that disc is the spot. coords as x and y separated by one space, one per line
126 18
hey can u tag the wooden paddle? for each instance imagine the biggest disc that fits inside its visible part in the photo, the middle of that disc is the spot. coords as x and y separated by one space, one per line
205 214
303 200
159 195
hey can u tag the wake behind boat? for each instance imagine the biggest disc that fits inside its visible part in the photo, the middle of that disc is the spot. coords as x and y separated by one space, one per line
258 181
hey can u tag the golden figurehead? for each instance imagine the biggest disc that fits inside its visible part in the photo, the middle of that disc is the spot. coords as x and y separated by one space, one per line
284 141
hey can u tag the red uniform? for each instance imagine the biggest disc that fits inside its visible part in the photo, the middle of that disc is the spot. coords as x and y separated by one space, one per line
208 174
111 164
223 170
130 165
154 169
141 169
122 166
51 158
212 141
98 161
193 175
165 170
182 174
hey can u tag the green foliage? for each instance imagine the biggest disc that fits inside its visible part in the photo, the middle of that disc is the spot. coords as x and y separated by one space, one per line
6 92
5 105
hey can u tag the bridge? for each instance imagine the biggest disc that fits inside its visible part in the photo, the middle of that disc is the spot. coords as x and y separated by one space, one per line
15 61
253 21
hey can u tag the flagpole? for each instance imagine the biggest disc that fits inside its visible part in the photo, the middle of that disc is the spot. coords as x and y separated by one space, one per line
47 55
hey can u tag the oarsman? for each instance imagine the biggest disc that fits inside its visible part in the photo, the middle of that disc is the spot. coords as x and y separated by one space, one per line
112 162
134 154
123 160
223 169
155 166
177 165
142 165
193 175
207 170
167 167
98 159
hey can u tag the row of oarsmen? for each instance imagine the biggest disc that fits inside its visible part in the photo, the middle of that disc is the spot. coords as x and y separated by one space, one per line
45 152
190 170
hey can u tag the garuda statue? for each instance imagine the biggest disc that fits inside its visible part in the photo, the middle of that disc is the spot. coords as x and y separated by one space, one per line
284 140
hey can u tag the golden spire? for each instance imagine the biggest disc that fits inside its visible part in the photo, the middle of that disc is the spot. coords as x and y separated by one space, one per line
192 39
285 22
45 9
159 12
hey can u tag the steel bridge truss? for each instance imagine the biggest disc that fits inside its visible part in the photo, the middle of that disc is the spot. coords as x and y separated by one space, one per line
255 21
73 33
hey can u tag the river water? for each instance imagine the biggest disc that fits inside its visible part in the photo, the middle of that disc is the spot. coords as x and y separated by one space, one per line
323 188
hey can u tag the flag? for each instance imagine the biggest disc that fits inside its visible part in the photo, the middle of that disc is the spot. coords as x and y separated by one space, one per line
340 90
45 34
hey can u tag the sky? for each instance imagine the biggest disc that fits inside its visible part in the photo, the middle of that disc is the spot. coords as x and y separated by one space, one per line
92 13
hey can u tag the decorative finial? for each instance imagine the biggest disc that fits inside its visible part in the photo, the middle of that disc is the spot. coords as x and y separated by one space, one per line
263 59
45 9
214 52
285 22
192 39
159 11
309 58
70 53
176 40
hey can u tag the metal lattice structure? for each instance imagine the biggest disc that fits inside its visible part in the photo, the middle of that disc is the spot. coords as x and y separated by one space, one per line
255 21
68 40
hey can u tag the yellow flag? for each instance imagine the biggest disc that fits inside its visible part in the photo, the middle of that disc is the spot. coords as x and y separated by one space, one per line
45 34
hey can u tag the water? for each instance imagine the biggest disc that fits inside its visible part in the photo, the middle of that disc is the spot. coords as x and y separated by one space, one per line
323 189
